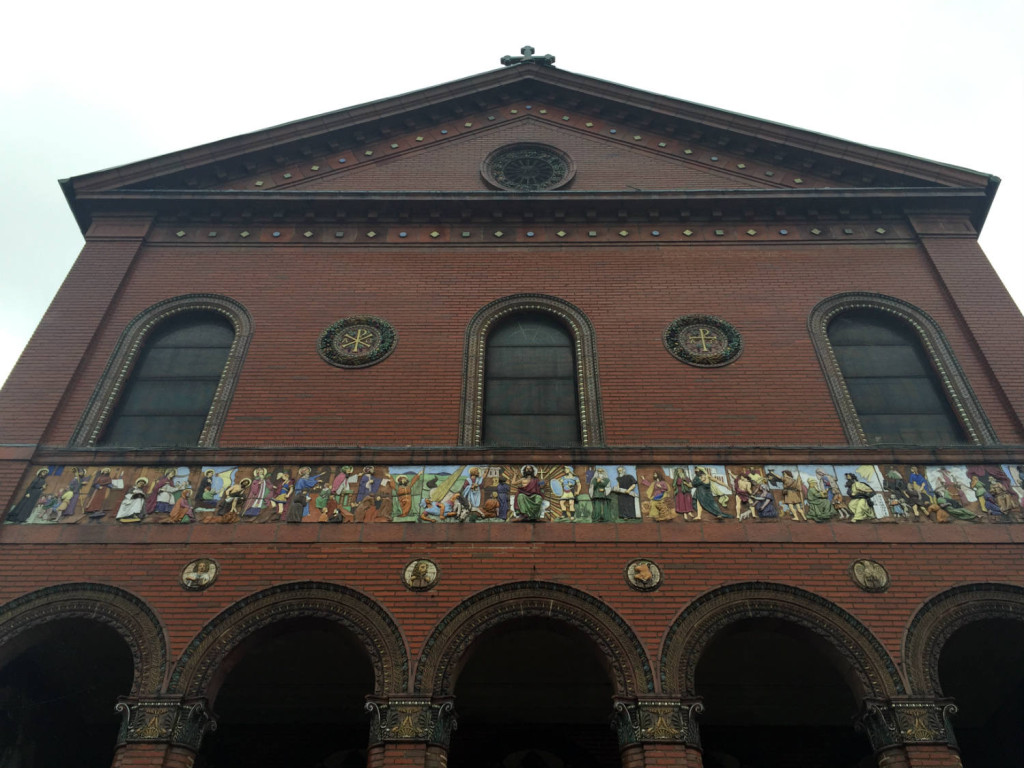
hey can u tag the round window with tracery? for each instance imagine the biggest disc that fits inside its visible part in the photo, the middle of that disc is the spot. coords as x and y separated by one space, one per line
528 168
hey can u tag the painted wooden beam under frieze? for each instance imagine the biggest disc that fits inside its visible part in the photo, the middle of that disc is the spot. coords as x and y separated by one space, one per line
344 494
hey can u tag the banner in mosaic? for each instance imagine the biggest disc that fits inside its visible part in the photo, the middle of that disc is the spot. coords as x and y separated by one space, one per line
527 493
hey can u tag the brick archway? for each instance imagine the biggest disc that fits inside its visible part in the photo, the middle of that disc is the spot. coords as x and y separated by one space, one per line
694 629
446 649
943 615
128 615
374 628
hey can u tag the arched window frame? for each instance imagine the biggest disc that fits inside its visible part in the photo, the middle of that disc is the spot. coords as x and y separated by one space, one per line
584 348
951 376
115 376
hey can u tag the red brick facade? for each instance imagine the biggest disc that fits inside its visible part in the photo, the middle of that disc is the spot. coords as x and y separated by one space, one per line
674 210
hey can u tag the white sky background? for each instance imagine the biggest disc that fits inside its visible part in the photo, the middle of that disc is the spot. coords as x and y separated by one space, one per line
88 86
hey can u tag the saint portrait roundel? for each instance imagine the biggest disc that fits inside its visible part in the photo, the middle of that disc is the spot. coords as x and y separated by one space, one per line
703 340
356 342
528 168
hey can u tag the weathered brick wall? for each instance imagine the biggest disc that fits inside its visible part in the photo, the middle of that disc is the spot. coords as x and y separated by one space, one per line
775 393
695 558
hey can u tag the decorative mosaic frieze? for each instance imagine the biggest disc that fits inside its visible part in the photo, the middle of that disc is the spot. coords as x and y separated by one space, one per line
169 721
657 720
506 493
411 719
908 721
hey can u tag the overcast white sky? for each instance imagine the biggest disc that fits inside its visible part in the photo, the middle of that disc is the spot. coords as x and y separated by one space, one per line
92 85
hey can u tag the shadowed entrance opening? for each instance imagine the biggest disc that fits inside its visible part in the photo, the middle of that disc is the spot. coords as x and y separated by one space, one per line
534 694
291 695
59 684
775 696
982 668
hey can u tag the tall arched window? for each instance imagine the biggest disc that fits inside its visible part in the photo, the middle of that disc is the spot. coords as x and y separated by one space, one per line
530 394
531 375
173 383
171 377
893 386
893 375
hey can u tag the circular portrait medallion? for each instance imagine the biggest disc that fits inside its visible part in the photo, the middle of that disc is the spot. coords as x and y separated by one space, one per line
421 575
703 340
643 575
199 574
528 168
870 575
355 342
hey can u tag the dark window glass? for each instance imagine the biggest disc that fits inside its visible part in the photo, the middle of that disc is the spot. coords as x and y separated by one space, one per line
891 381
171 388
530 390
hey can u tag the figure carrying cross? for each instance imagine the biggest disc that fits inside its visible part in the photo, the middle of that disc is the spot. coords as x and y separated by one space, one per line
527 50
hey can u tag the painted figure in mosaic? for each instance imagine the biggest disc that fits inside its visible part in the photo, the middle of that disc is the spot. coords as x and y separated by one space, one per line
920 493
570 491
321 498
259 492
704 496
205 497
20 512
860 495
625 492
504 492
472 491
70 499
403 493
657 493
792 499
232 503
529 501
99 492
951 506
341 488
683 493
303 487
368 485
160 500
819 508
1007 500
601 496
183 512
133 505
489 509
283 485
742 488
831 488
952 485
986 500
47 509
763 501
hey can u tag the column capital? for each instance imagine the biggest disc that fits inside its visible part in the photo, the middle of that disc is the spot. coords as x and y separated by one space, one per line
665 719
411 718
168 720
902 721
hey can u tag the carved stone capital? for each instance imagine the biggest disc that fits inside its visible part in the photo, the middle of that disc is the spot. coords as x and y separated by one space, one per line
907 721
181 722
412 718
668 719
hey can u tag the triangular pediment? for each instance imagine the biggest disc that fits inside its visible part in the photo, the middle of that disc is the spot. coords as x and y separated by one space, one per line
621 140
449 158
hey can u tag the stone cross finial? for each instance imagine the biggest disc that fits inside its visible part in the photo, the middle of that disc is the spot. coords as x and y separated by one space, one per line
527 50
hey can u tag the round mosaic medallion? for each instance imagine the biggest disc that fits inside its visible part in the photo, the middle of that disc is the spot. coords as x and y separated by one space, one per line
199 574
355 342
421 575
643 575
703 340
528 168
870 575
